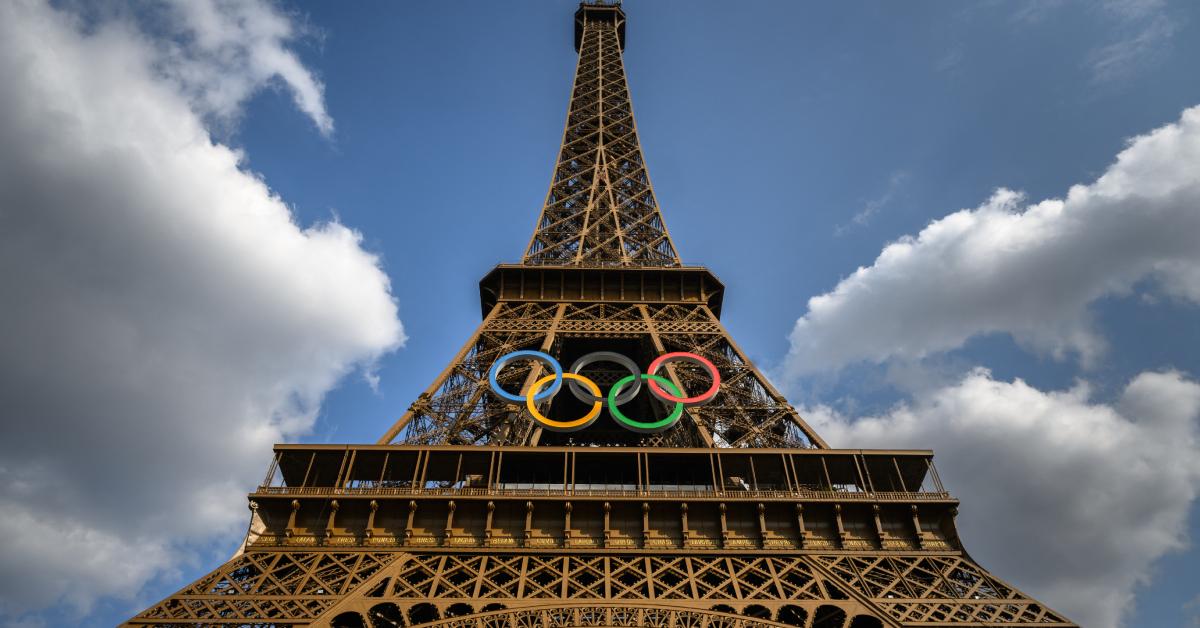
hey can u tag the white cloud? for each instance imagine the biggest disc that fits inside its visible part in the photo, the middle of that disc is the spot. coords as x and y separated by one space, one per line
225 50
1144 29
1148 39
1027 270
1036 11
1133 9
1192 609
165 319
1138 33
1070 500
872 207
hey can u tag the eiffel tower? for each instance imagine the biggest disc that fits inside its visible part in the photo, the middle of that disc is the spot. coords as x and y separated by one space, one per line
482 507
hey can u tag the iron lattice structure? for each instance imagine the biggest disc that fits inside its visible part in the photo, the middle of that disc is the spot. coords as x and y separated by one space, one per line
465 514
601 210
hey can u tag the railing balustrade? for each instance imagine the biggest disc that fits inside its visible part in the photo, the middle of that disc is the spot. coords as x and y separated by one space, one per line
569 492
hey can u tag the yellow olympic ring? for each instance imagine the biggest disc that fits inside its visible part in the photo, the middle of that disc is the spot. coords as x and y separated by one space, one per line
565 425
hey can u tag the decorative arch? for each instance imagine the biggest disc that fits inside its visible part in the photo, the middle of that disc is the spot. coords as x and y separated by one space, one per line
584 616
386 615
792 615
829 616
459 610
423 614
865 621
349 619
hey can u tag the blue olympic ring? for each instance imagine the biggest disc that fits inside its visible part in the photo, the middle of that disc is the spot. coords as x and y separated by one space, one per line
546 359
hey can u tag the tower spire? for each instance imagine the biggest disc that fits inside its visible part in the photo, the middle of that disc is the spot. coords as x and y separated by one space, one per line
600 209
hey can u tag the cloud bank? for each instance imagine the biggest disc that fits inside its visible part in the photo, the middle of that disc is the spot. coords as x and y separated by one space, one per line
1070 500
1029 270
165 319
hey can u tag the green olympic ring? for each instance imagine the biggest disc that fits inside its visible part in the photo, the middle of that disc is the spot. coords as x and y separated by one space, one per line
643 426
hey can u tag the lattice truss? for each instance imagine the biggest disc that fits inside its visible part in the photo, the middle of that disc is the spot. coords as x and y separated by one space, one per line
601 210
269 587
400 589
459 408
606 577
919 590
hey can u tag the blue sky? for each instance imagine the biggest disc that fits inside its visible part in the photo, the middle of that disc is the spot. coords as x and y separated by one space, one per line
798 121
788 144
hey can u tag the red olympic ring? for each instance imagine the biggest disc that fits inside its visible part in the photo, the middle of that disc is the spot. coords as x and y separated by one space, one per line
679 356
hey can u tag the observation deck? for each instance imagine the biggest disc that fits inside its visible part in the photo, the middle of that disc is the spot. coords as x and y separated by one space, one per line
598 498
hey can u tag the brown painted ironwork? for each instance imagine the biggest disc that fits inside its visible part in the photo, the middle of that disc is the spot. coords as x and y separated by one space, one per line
464 514
600 210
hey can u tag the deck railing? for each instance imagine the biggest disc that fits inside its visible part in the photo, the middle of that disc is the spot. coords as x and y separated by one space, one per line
651 493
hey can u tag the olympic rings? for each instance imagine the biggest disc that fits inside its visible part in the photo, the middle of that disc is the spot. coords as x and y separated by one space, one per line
621 393
642 426
678 356
565 426
548 360
606 356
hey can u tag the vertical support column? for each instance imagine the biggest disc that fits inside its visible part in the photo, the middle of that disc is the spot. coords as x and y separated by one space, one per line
567 508
422 481
408 526
916 521
879 531
291 523
345 470
369 531
762 525
724 526
843 538
801 531
607 524
645 524
528 522
329 523
448 532
487 524
416 474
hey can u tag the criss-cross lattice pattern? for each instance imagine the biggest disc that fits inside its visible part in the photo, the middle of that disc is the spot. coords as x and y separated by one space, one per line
601 209
461 409
284 587
269 586
920 589
608 576
748 412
